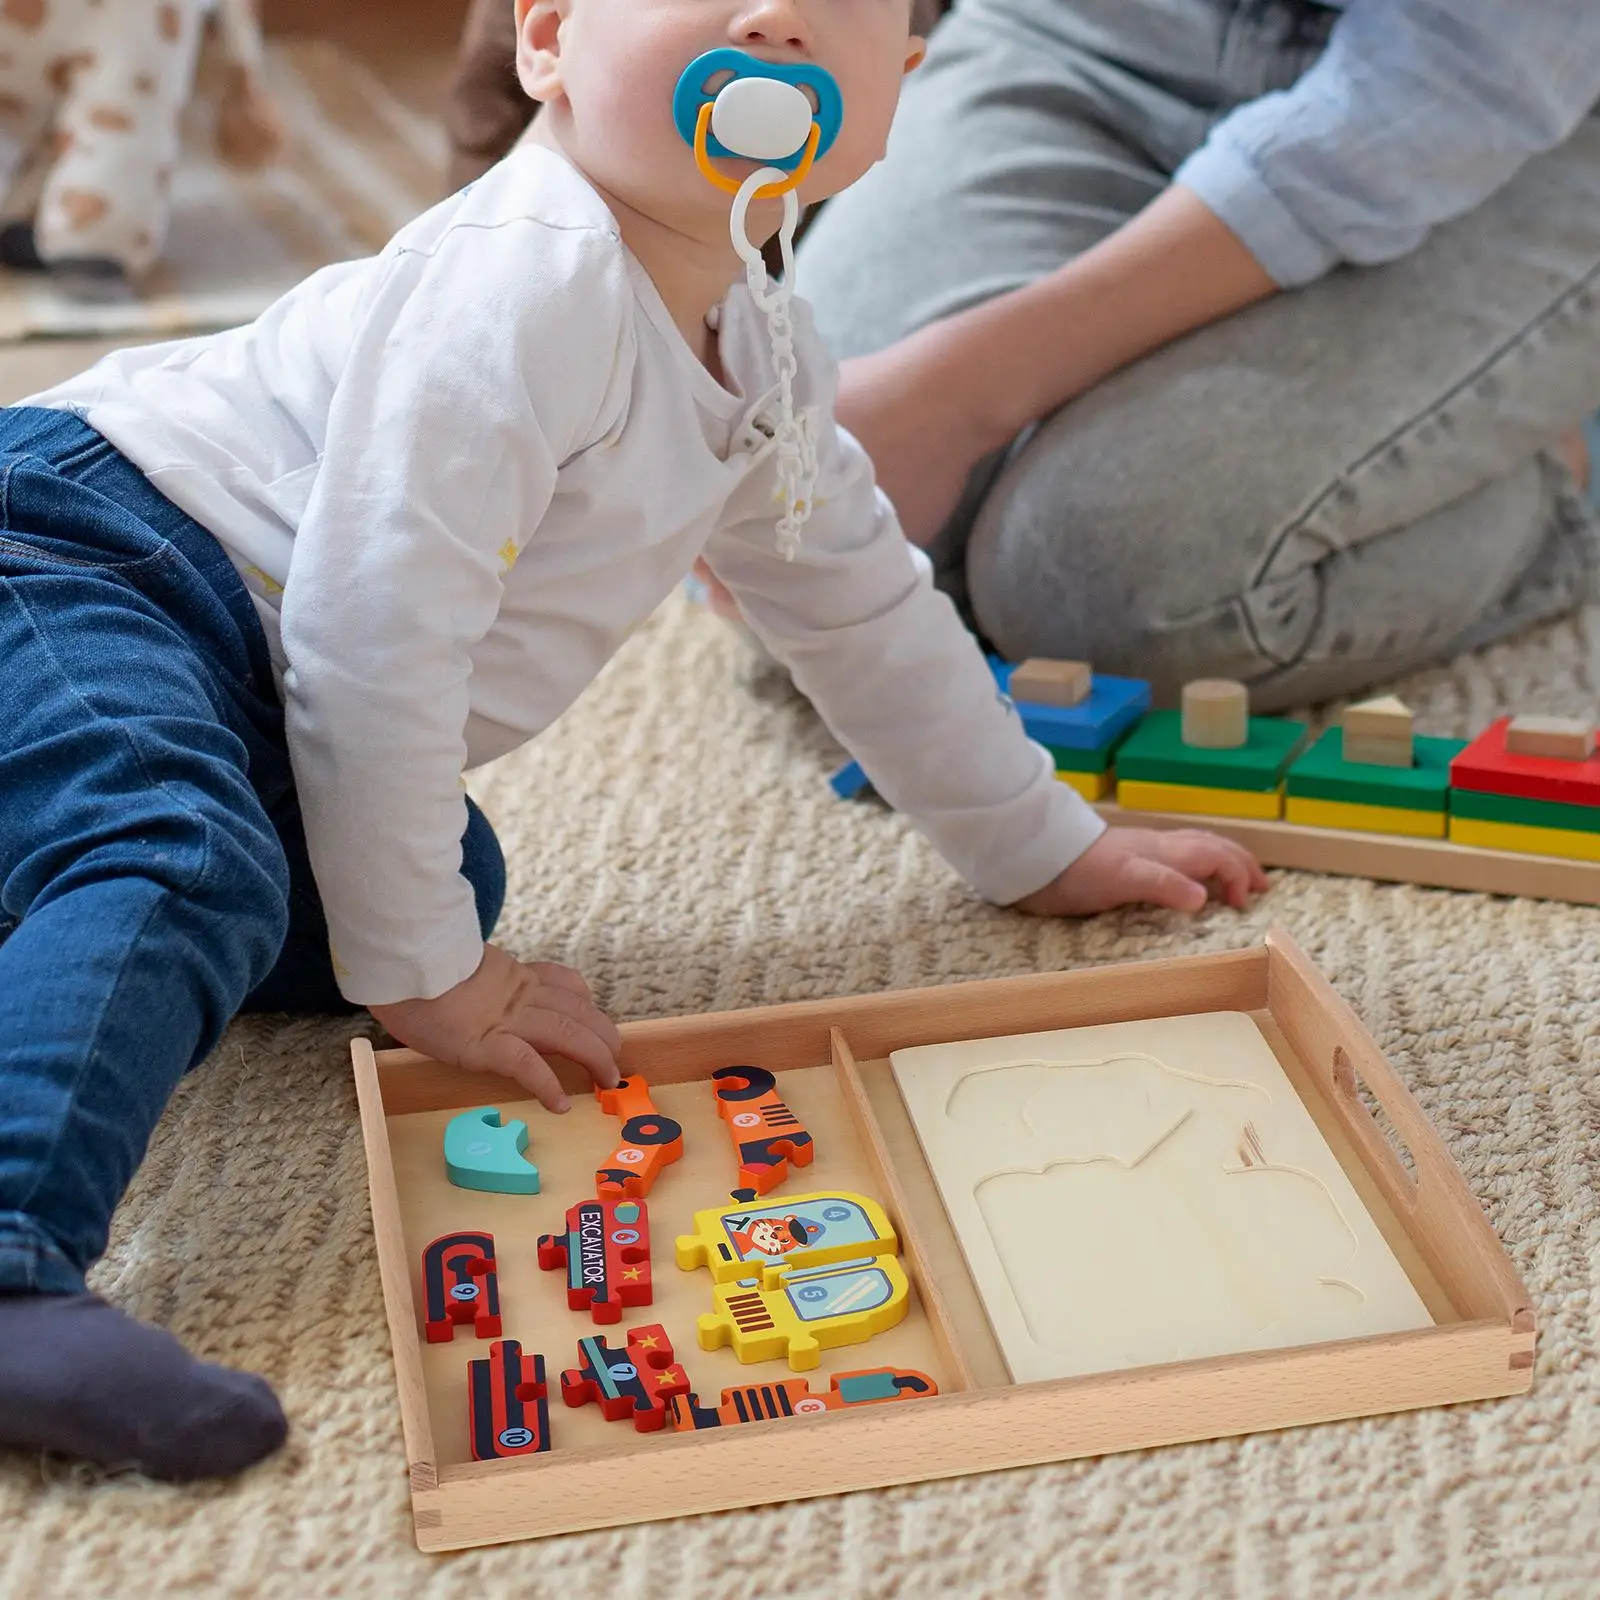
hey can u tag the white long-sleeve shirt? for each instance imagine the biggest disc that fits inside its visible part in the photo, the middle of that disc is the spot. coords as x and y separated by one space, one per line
457 475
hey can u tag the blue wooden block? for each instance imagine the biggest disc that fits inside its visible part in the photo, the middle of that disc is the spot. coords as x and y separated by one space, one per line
480 1154
849 781
1112 707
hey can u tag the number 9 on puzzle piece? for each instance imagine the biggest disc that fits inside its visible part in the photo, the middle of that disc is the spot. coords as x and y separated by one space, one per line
806 1230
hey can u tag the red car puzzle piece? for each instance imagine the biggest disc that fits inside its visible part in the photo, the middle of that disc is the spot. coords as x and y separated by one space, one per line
766 1134
638 1381
508 1403
460 1284
650 1142
606 1251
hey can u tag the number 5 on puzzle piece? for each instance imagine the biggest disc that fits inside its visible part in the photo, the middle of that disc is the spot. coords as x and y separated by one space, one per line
794 1397
637 1381
766 1134
508 1406
650 1142
481 1154
460 1284
808 1312
804 1231
606 1251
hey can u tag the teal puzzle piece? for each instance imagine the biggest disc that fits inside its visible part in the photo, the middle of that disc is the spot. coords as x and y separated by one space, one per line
480 1154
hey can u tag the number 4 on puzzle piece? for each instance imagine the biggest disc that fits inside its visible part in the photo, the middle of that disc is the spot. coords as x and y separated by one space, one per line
805 1230
637 1381
481 1154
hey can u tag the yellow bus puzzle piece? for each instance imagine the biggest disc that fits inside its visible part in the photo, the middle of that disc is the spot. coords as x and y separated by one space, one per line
771 1238
1352 816
1091 785
1526 840
1144 794
807 1312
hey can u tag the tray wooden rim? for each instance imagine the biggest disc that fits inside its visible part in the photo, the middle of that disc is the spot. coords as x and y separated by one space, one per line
1487 1353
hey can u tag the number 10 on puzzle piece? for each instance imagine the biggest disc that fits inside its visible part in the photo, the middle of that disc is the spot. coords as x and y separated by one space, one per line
804 1231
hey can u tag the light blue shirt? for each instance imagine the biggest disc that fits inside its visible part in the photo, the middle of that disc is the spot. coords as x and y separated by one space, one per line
1416 112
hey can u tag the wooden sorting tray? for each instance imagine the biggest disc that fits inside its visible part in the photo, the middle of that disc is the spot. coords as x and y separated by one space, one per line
834 1072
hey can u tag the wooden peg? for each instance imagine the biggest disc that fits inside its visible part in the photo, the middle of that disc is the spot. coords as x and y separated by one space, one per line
1378 732
1216 714
1558 738
1044 682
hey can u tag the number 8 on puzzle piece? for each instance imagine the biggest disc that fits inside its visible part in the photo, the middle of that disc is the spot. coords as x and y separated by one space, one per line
805 1313
805 1230
481 1154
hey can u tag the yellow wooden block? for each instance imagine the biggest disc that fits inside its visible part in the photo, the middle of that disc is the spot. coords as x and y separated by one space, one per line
807 1312
1091 785
1526 840
1352 817
1192 799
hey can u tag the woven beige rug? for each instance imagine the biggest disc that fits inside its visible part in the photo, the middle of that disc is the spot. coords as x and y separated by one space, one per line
675 839
359 166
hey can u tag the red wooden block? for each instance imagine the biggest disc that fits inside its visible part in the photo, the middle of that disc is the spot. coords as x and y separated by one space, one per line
650 1142
1487 767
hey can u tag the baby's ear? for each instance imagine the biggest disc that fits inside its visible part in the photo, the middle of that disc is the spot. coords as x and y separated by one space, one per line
539 47
915 52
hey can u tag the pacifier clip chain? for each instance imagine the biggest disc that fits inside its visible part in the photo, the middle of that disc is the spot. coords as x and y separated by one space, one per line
729 103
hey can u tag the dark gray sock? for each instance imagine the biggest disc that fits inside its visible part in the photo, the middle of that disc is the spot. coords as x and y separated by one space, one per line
78 1376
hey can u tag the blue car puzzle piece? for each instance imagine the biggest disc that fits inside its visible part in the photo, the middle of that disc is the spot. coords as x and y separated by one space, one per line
481 1154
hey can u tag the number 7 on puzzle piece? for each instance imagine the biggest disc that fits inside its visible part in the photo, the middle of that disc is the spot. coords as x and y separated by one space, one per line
637 1381
806 1230
650 1142
766 1134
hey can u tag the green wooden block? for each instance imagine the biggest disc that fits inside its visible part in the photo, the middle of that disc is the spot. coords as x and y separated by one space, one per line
1322 773
1156 753
1082 760
480 1154
1530 813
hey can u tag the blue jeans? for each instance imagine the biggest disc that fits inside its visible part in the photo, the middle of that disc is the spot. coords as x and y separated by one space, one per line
153 871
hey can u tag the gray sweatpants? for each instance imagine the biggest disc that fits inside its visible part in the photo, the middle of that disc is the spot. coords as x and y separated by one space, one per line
1322 492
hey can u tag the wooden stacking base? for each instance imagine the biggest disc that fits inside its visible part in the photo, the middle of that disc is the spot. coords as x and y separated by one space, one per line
831 1060
1432 863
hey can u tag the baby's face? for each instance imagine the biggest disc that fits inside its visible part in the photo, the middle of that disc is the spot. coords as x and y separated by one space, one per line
607 69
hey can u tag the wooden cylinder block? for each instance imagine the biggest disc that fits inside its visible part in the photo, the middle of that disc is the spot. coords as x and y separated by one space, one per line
1216 714
1559 738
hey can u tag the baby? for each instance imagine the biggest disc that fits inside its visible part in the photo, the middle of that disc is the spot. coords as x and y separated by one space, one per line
266 595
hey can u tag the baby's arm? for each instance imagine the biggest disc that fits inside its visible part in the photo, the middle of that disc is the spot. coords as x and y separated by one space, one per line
442 448
901 683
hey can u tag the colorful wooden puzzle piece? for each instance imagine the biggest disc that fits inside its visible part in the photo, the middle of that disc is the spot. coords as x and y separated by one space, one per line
508 1406
1154 753
766 1134
1326 790
1570 844
460 1284
806 1312
1111 707
480 1153
606 1253
794 1397
1196 800
768 1240
636 1382
649 1143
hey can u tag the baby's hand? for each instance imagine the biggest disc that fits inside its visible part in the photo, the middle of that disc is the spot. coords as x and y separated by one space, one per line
1127 866
503 1016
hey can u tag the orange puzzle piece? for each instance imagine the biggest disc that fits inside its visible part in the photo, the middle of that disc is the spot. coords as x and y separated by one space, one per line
766 1134
650 1142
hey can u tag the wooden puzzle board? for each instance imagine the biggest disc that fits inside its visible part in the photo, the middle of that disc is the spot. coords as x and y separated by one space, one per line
1147 1192
566 1151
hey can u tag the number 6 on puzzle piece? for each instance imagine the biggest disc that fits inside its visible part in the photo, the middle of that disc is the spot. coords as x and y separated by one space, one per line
481 1154
606 1251
766 1134
650 1142
806 1230
808 1312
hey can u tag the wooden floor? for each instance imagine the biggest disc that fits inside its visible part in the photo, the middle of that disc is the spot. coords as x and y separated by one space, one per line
410 43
